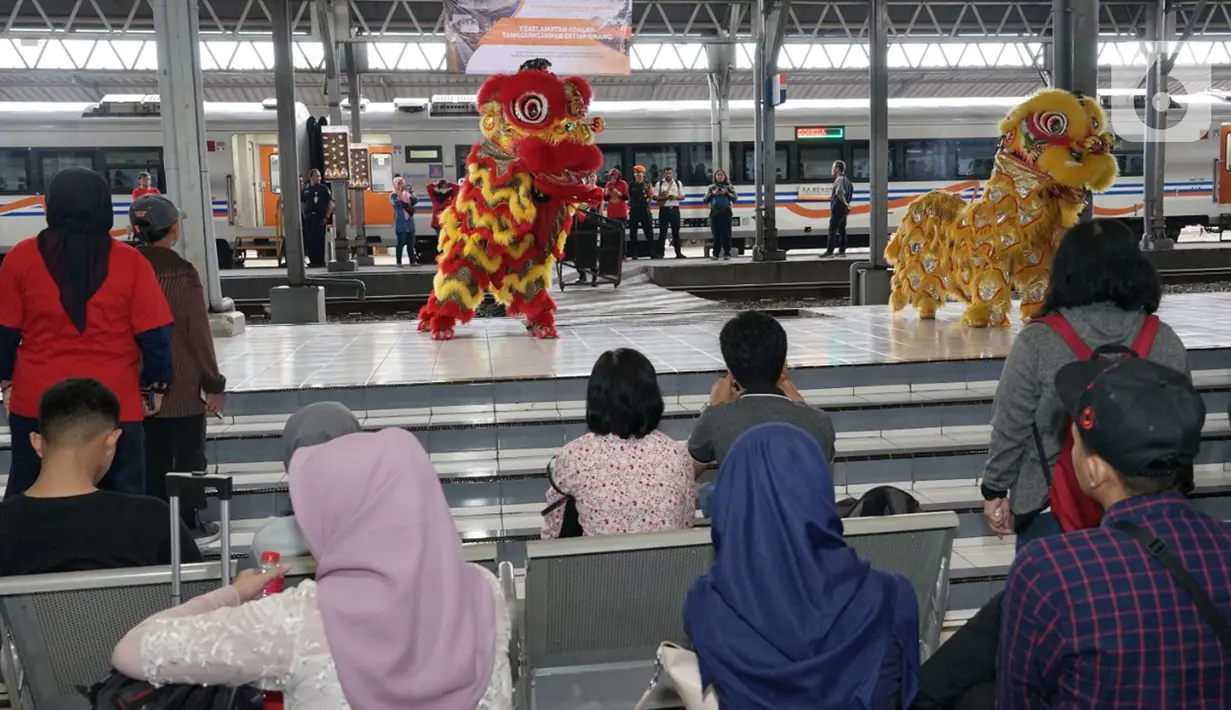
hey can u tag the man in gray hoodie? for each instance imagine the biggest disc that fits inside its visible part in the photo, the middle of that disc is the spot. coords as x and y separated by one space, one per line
1103 287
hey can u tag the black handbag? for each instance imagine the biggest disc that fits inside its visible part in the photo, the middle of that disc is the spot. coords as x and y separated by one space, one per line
119 692
571 527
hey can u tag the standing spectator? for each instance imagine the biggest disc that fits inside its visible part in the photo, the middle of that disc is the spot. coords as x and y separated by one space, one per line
788 615
615 194
144 187
63 523
175 436
1128 614
316 201
441 194
669 192
839 208
625 474
404 200
1103 287
720 197
76 303
640 194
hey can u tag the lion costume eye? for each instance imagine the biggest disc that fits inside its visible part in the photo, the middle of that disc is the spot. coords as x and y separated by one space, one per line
1052 123
530 108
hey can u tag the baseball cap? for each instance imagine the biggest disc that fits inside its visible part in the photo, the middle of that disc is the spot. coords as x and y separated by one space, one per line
639 168
1132 412
154 212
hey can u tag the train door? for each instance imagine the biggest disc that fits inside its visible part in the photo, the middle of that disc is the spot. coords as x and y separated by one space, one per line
1222 170
377 210
270 185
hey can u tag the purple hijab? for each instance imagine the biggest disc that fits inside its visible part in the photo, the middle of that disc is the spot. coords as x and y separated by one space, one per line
409 623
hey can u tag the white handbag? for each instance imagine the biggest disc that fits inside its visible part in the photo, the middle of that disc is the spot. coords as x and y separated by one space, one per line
680 666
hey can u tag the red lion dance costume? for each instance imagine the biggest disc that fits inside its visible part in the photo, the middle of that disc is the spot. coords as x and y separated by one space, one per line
512 214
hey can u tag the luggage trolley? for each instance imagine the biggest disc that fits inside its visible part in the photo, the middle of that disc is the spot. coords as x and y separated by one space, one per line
595 244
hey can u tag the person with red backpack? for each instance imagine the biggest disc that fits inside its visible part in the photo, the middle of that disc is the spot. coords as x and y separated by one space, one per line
1100 303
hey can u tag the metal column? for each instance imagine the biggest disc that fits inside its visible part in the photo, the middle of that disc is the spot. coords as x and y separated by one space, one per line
1160 31
720 56
326 22
356 132
758 125
185 163
769 45
1074 53
1062 45
288 146
870 280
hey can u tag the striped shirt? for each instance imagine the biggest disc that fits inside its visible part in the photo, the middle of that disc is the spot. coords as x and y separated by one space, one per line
192 342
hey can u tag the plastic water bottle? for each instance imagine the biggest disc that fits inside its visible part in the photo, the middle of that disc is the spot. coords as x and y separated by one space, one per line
270 561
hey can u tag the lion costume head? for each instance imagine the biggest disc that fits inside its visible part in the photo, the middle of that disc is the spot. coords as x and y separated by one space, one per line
1063 135
541 119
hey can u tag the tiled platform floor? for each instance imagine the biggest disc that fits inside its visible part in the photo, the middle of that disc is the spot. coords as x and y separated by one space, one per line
386 353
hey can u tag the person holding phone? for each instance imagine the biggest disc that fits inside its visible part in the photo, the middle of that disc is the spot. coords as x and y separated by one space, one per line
175 433
721 198
839 208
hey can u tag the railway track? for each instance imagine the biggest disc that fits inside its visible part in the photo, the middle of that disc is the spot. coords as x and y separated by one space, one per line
409 305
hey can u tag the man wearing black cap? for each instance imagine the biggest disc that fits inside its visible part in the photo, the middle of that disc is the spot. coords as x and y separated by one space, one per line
175 436
1133 613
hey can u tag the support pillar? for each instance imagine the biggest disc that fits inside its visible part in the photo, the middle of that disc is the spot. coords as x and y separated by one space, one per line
1074 51
1160 31
296 302
333 21
356 131
184 157
768 26
721 57
870 280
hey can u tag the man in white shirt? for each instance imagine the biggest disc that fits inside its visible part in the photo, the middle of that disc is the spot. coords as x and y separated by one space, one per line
669 192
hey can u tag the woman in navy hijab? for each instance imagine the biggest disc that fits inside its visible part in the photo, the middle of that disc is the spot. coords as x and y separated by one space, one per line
789 617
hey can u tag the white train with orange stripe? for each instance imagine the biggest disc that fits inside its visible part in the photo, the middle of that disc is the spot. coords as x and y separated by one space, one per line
935 143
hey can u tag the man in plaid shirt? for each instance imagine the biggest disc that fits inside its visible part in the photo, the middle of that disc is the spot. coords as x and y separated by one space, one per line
1093 619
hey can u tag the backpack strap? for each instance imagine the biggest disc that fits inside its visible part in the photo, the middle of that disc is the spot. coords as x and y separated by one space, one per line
551 480
1184 579
1064 329
1145 338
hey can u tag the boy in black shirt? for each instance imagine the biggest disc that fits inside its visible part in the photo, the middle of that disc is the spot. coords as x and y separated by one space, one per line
63 523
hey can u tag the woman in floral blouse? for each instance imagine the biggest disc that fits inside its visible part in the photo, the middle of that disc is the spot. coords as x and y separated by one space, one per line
626 476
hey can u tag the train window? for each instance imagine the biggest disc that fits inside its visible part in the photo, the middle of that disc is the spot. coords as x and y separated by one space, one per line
654 158
613 159
123 167
924 160
423 154
53 161
859 163
698 167
13 175
816 161
1131 157
782 162
380 168
461 152
275 176
975 157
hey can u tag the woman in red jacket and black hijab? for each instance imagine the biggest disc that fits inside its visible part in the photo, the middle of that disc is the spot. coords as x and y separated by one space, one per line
74 302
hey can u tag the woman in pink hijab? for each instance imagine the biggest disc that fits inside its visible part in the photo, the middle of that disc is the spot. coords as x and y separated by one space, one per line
395 619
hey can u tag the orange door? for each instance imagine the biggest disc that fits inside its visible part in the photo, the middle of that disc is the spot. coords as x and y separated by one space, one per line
377 210
1222 166
269 185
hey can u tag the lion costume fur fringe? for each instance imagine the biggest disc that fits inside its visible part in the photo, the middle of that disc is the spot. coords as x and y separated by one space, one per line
1053 148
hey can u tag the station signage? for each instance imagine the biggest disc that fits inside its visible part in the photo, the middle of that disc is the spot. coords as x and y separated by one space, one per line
820 133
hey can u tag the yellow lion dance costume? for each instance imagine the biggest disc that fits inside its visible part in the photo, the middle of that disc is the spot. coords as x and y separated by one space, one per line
1053 147
512 214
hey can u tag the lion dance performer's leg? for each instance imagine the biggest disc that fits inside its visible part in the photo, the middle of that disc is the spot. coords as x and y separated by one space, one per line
457 289
919 253
527 287
1031 277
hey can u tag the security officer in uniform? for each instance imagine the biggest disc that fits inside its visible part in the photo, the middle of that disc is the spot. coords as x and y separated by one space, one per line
640 195
317 202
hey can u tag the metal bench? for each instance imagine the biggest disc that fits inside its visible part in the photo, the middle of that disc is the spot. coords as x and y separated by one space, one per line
596 609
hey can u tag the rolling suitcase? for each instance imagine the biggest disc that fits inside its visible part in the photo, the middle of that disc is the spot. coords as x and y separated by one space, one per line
177 485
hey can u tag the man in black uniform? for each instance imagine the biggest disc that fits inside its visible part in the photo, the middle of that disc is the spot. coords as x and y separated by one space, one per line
640 194
316 201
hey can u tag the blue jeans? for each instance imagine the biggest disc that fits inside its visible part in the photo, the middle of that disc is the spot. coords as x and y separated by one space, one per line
126 475
1044 525
705 498
406 241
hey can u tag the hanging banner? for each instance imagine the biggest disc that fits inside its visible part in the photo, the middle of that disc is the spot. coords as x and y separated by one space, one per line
586 37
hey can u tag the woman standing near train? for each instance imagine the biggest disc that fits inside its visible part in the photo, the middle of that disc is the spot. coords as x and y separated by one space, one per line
720 197
74 302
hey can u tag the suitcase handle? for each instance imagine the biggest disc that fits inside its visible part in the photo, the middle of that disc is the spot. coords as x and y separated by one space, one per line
177 484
